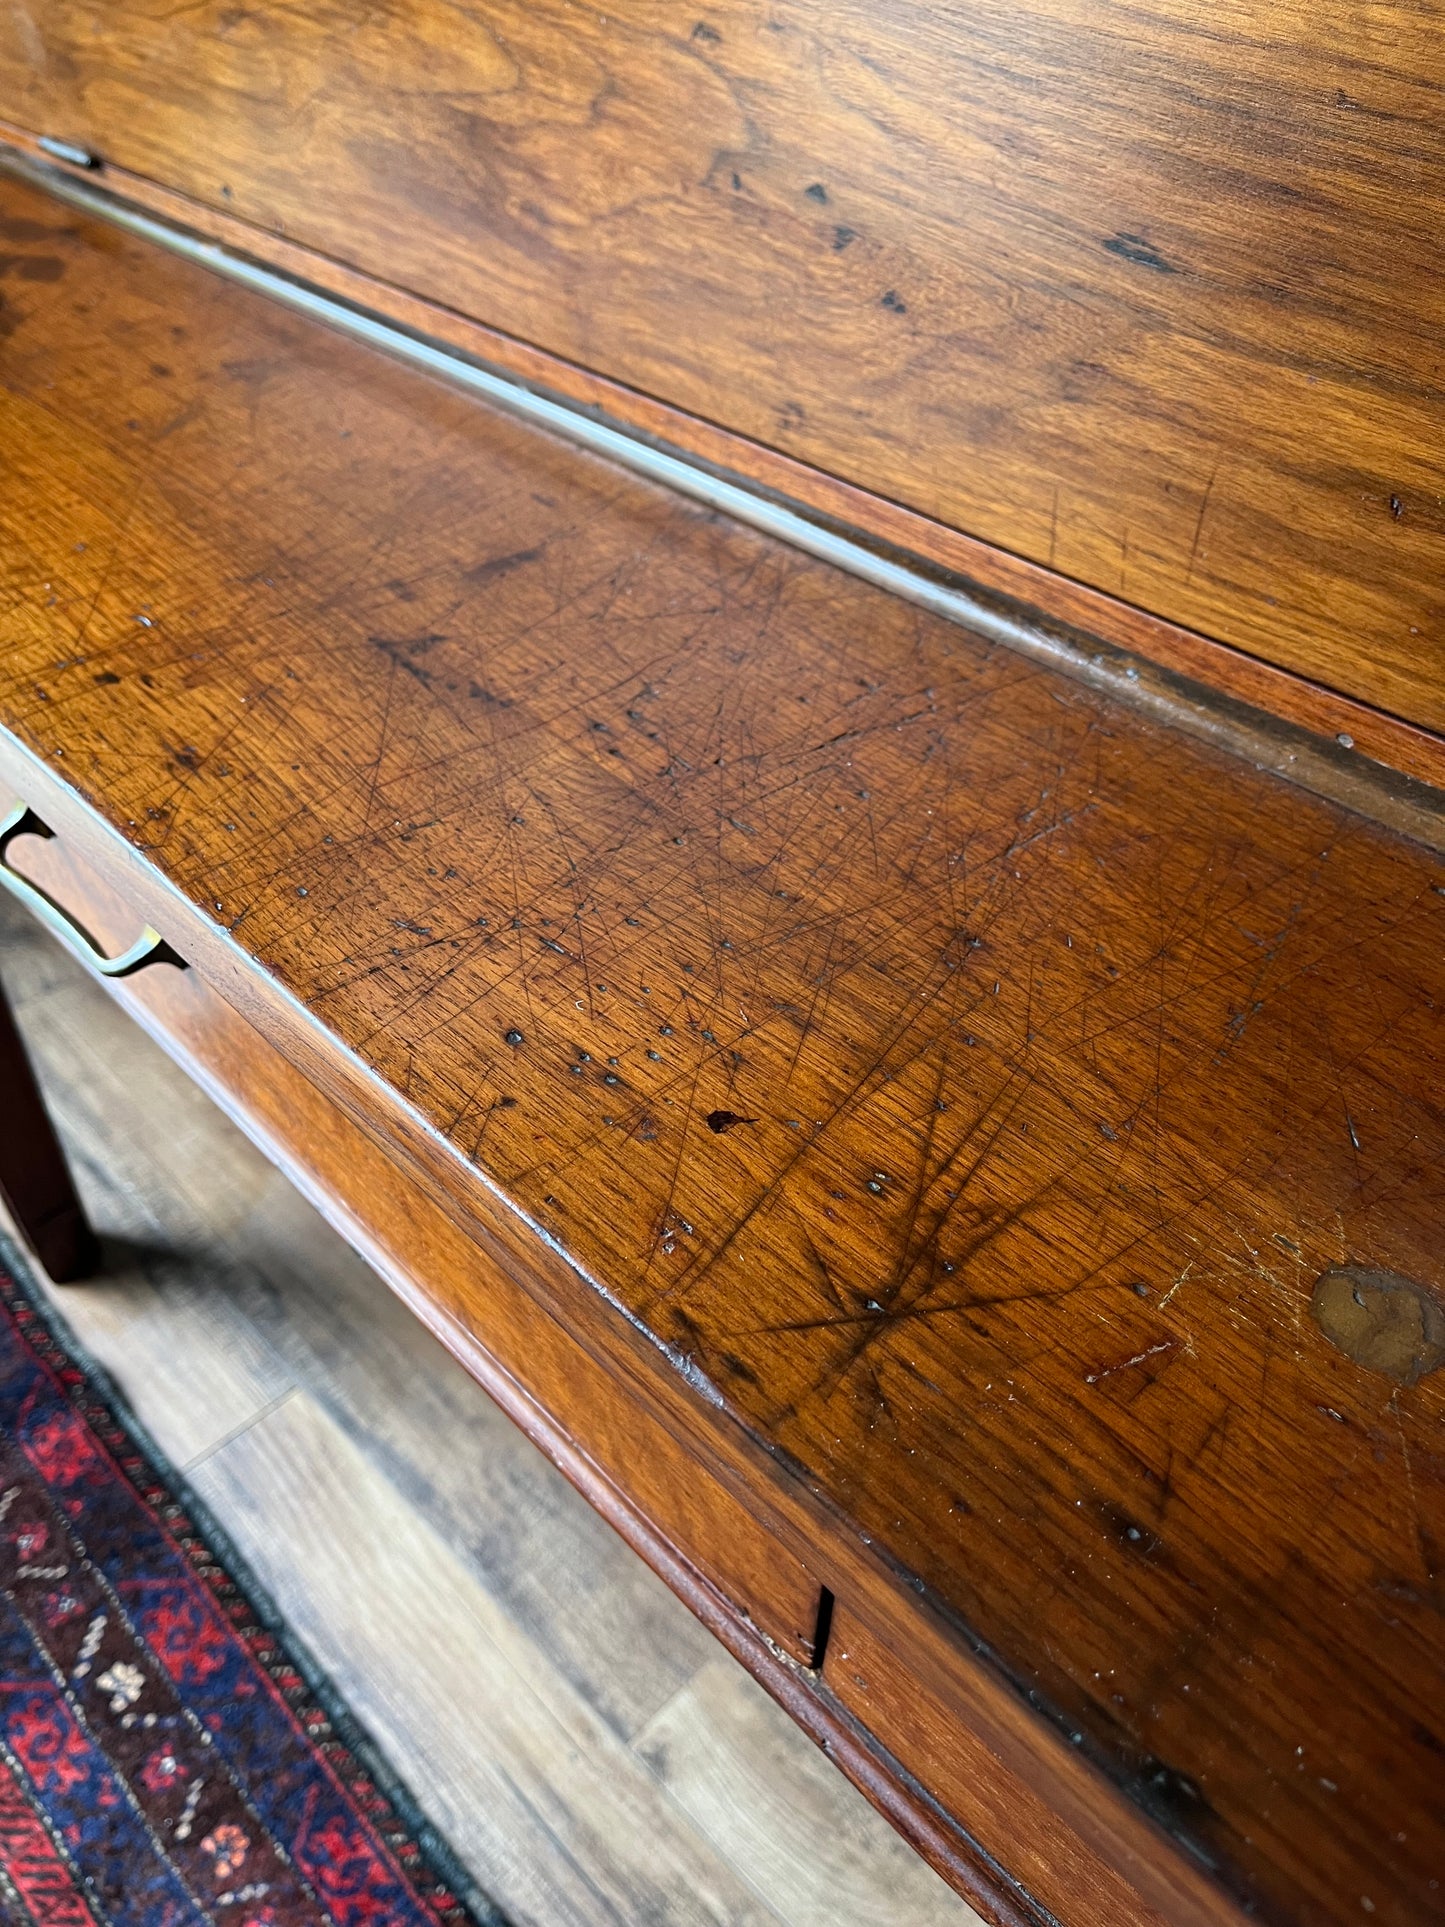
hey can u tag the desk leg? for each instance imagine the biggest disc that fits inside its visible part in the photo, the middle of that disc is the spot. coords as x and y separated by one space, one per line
34 1180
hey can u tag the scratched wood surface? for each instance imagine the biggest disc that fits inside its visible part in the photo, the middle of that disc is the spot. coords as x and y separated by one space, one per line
965 1077
1151 293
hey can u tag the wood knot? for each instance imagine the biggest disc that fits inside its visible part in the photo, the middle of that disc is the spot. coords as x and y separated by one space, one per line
1381 1320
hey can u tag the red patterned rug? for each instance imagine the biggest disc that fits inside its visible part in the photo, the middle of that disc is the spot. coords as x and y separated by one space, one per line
167 1759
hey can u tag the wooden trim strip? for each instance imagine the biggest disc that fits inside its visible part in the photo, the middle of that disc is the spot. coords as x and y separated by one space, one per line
1146 659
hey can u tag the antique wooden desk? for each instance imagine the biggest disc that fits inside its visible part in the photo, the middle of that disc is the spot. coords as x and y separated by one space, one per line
774 686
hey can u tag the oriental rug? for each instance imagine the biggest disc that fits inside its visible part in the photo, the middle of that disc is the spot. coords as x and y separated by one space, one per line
167 1757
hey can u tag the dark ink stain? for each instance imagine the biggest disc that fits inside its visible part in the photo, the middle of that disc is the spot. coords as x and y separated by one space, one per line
841 238
737 183
514 1038
106 676
1133 247
1397 507
401 654
817 192
476 691
738 1369
702 31
725 1120
895 301
13 228
1382 1321
32 267
500 565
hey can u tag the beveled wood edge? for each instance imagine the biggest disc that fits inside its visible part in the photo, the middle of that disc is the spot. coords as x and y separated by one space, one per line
1111 1828
1334 743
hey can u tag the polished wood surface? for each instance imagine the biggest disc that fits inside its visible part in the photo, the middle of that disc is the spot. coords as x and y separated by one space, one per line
1009 1847
996 1073
1150 294
1180 665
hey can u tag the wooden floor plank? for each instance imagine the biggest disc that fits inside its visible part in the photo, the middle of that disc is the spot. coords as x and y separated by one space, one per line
729 1757
415 1414
562 1823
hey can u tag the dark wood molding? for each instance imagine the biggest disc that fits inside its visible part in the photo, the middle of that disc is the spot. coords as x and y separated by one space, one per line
35 1180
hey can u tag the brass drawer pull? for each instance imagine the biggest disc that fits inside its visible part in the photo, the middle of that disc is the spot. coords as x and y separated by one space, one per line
149 947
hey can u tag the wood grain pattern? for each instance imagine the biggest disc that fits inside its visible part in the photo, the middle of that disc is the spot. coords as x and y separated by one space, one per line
375 1577
1145 293
1038 594
1064 1055
730 1763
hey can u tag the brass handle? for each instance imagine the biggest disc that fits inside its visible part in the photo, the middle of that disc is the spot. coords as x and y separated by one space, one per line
149 947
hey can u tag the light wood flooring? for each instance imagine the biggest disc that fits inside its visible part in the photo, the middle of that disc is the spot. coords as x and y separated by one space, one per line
592 1755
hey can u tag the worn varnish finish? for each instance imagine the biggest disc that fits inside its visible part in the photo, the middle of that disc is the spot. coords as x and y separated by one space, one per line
1090 624
665 1503
1077 1053
1150 294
